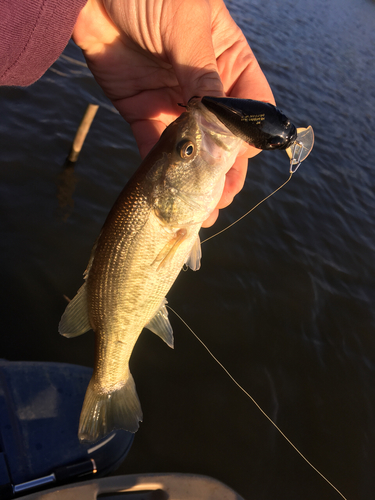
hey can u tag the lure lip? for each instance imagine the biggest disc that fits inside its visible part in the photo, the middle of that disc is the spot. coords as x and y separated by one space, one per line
300 149
258 123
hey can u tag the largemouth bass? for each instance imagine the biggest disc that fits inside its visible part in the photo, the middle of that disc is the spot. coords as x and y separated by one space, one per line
149 235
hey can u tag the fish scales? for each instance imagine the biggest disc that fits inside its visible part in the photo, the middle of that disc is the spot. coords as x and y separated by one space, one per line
150 233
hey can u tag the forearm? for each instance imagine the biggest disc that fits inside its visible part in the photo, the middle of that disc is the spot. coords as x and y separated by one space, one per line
33 35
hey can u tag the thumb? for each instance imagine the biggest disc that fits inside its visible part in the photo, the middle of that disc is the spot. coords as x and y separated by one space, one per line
190 49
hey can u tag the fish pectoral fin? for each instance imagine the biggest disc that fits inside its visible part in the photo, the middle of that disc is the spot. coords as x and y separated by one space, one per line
160 325
102 412
168 251
75 319
194 259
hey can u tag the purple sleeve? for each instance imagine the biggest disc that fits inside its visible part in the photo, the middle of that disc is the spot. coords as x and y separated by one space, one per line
33 33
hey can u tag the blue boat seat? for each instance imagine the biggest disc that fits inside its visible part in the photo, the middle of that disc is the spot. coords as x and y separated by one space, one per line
40 404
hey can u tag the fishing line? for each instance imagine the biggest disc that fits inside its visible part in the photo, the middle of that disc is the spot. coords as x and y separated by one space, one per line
256 206
292 170
257 405
297 152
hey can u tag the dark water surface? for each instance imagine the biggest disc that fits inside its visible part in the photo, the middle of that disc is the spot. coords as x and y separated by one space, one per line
284 299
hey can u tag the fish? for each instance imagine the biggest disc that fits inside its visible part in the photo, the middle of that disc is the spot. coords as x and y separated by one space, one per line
150 234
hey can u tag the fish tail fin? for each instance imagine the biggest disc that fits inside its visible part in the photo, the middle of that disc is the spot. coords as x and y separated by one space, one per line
104 412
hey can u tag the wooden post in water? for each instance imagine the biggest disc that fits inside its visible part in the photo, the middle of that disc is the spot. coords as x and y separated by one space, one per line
82 131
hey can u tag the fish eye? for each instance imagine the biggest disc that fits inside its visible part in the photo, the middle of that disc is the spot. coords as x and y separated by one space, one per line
186 149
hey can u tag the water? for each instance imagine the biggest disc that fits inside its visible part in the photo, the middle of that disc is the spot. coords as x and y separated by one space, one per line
284 299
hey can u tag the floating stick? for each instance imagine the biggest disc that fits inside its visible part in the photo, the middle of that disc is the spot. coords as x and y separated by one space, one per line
82 131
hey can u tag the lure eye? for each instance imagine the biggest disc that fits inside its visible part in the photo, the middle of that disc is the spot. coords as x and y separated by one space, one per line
186 149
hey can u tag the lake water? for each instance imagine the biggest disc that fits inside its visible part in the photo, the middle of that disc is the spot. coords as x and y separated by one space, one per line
284 299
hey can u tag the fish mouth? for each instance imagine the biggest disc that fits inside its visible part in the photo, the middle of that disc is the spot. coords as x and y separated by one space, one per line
258 123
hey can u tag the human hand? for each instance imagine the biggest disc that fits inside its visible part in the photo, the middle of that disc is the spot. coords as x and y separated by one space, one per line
150 55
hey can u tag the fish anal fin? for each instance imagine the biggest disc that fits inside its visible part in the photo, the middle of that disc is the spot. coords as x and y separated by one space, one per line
75 319
103 412
194 259
160 325
167 253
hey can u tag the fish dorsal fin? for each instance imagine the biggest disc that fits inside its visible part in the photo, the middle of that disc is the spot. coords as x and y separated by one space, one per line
160 325
194 259
91 259
75 319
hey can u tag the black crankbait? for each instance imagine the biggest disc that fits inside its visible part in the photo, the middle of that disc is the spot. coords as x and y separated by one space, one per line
263 126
